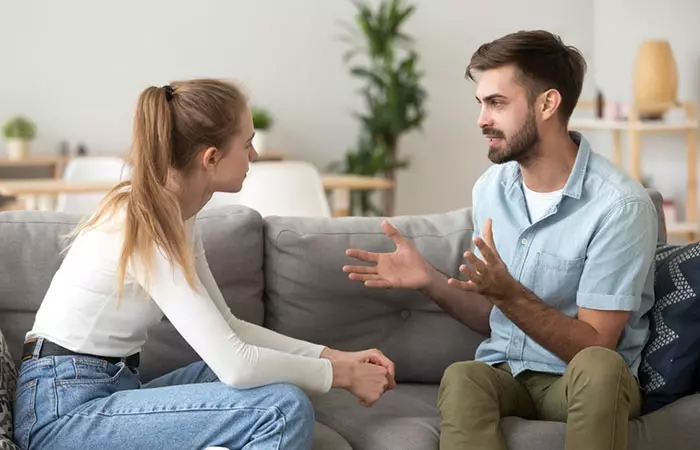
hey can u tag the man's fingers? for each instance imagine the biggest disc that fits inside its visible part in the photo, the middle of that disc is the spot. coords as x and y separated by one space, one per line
360 269
476 262
486 251
392 232
469 273
487 232
362 255
380 284
463 285
364 277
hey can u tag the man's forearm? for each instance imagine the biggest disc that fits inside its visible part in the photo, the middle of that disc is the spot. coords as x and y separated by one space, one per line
470 308
560 334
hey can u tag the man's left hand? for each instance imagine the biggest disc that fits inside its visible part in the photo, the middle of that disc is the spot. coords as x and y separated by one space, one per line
488 277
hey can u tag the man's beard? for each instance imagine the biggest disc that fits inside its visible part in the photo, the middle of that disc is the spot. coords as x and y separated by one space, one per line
521 147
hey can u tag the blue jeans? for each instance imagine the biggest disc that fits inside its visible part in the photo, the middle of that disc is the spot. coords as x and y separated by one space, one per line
76 402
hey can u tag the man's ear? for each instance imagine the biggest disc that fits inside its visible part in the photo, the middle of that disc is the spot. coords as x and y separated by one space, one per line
549 106
210 158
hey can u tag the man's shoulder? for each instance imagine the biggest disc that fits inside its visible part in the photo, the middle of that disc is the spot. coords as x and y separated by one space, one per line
610 184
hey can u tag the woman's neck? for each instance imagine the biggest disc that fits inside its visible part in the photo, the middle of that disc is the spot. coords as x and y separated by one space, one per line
191 196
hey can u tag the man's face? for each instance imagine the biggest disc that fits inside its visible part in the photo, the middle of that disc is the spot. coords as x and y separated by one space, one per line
507 117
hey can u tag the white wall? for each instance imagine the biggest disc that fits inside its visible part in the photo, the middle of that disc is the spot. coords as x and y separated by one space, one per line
619 27
77 66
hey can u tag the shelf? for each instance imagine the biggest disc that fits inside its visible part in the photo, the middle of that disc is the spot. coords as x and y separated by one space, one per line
682 228
641 126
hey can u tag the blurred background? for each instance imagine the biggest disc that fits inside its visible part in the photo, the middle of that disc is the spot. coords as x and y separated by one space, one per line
73 70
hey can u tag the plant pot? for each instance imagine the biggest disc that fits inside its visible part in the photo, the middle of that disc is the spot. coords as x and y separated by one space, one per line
260 141
17 149
655 79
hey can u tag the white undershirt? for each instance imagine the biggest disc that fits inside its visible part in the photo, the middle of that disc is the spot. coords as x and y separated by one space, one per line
538 203
81 313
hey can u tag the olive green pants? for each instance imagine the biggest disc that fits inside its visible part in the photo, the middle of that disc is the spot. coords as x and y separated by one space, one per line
596 397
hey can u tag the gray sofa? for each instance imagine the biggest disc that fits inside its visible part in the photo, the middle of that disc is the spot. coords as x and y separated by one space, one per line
286 273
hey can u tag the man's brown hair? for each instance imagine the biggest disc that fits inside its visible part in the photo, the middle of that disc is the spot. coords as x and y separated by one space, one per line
542 62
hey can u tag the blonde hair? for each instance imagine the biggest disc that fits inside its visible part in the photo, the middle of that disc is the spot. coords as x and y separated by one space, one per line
172 124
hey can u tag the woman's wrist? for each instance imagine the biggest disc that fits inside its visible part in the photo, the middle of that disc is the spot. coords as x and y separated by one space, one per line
342 373
329 353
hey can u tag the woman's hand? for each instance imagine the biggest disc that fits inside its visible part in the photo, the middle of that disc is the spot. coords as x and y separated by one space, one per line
367 374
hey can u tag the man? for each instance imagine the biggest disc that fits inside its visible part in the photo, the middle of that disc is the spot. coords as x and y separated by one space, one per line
561 274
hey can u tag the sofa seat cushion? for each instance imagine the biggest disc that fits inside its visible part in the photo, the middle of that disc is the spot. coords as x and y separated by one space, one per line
326 438
407 418
308 296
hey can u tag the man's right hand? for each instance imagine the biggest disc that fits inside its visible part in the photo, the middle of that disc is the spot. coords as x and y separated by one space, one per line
404 268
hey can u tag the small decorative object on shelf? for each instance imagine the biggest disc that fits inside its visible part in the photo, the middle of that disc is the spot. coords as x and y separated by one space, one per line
670 211
63 149
599 105
19 132
262 123
655 79
82 150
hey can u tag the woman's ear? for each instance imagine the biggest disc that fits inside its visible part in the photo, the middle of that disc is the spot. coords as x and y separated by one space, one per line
210 158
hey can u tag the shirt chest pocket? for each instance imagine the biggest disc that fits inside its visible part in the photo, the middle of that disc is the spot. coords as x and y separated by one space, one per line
556 279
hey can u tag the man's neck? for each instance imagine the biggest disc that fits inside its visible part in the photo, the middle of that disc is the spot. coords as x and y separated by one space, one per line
551 169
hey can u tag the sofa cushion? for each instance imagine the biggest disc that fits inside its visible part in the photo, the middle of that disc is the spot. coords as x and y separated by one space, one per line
407 418
672 355
31 244
308 296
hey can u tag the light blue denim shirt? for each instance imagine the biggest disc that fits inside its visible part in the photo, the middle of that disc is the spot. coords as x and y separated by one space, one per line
594 249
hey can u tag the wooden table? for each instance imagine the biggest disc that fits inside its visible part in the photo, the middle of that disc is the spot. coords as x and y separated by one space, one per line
57 164
40 193
635 128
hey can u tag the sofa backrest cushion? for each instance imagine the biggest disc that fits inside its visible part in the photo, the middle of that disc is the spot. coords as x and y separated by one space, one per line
30 253
309 297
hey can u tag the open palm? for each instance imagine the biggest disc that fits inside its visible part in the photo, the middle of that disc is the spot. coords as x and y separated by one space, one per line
403 268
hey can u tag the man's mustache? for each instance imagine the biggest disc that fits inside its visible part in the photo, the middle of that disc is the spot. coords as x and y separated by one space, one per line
492 132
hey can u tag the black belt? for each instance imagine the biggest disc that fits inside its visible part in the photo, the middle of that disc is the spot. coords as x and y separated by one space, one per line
48 348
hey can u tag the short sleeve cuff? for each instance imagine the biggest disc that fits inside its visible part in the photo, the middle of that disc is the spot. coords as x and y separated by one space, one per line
609 302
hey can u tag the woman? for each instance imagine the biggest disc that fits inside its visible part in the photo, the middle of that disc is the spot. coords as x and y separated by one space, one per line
138 258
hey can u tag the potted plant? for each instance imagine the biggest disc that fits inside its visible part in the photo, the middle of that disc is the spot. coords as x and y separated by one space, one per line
19 132
262 123
392 91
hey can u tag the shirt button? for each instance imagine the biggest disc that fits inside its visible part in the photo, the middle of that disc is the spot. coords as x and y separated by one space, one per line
524 241
405 314
516 341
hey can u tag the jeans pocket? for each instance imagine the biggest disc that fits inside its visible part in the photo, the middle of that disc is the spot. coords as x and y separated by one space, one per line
24 412
82 380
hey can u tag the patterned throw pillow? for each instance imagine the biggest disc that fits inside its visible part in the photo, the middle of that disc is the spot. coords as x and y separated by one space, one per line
8 383
671 358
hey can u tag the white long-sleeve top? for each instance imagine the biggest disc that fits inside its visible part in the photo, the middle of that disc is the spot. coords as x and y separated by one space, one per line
81 312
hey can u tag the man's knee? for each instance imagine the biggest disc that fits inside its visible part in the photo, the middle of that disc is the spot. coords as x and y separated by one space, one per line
598 365
461 377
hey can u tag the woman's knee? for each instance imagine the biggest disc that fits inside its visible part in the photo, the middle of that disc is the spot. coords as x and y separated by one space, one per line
294 403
